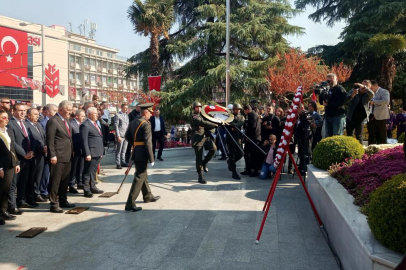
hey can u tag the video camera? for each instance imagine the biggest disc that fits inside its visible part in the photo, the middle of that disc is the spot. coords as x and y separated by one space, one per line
323 91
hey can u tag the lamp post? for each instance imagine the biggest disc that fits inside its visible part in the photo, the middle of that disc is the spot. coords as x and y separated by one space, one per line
227 52
44 96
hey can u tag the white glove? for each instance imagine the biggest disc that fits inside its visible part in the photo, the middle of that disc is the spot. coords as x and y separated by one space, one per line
152 164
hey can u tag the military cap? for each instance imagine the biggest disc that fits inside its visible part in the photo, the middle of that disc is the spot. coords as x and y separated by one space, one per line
146 106
197 104
237 106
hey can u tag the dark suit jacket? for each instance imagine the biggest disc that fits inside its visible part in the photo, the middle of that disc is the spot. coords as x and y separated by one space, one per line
253 126
161 119
134 115
92 140
21 142
142 153
7 159
76 138
59 141
37 137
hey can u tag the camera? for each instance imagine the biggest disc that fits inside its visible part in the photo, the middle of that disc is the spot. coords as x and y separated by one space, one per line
324 92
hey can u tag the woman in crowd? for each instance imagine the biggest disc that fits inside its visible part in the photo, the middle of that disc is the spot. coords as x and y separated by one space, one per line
8 166
400 121
270 147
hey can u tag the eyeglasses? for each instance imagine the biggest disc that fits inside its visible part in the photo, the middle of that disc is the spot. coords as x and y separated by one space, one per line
6 102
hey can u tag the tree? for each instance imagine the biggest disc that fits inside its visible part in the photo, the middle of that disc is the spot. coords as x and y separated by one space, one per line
152 18
371 27
257 36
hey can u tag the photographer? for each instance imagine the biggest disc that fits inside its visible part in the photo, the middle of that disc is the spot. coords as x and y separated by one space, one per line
358 108
316 123
333 100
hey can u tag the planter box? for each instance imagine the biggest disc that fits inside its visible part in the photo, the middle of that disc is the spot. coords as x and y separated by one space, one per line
347 227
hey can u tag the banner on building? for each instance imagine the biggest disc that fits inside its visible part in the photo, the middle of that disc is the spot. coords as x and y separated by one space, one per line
154 83
72 92
51 80
13 55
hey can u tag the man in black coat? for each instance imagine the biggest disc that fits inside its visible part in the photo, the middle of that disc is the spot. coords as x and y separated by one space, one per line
134 114
24 152
92 139
158 133
78 160
60 150
253 158
142 155
37 136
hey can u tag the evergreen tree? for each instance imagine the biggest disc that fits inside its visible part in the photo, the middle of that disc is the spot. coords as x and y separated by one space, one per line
258 29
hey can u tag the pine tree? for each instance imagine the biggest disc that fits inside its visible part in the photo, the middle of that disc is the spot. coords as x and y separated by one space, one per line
258 31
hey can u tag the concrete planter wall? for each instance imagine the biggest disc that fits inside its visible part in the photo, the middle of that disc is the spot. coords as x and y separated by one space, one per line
347 227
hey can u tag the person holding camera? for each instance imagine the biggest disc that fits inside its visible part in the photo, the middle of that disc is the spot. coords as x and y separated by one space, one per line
333 100
358 108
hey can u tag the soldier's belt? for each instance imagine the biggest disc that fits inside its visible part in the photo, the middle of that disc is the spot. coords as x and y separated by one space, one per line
138 143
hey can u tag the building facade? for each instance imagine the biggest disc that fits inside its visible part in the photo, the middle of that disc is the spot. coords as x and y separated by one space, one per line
70 67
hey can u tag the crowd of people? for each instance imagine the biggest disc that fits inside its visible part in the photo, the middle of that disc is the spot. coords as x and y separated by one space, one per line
262 126
52 150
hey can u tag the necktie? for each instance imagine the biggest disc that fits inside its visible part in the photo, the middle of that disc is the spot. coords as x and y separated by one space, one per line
67 127
25 135
95 124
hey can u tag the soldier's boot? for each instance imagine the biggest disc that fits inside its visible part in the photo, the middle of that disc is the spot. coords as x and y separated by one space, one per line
205 167
201 179
235 175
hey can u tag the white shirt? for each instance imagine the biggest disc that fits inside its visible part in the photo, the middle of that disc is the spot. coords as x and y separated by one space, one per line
157 124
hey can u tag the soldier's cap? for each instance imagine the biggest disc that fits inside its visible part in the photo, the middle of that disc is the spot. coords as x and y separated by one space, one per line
146 106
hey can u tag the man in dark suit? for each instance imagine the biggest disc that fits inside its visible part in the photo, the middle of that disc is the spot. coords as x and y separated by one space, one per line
158 133
60 149
92 139
48 111
37 137
8 166
142 155
78 159
24 152
253 158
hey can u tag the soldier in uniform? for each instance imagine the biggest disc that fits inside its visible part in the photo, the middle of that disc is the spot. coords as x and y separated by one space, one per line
234 152
139 135
201 137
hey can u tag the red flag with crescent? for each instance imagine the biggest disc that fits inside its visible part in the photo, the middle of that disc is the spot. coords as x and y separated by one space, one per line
154 83
13 55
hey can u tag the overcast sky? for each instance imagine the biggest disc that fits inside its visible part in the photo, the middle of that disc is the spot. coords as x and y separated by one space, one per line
115 30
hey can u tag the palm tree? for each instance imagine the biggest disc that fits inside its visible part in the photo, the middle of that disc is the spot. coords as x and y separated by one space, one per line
152 18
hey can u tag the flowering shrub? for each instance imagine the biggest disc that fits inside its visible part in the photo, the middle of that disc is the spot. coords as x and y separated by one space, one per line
362 176
375 148
172 144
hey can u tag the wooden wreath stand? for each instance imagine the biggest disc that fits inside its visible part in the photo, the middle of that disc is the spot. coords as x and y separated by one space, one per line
271 193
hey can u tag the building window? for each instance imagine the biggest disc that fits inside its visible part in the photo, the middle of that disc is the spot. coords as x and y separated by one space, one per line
110 65
87 61
71 75
76 47
100 53
92 62
87 76
78 76
71 59
77 60
104 79
99 63
109 79
99 78
104 64
93 77
109 55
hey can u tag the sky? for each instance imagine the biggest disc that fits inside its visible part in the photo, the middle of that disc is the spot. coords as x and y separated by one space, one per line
115 30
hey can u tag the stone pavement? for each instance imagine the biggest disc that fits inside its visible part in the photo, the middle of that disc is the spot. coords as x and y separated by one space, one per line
192 226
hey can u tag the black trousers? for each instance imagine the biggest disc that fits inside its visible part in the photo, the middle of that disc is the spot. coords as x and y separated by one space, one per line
106 132
253 157
76 172
357 127
208 145
35 177
19 184
234 155
376 132
89 174
140 184
58 184
128 152
5 185
158 136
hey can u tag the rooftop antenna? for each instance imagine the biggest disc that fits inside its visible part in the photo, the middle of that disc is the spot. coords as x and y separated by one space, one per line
81 29
93 29
70 26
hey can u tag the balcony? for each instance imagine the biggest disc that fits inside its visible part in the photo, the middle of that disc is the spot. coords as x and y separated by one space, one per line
87 82
110 71
87 67
100 84
78 66
121 86
99 69
72 65
72 81
110 85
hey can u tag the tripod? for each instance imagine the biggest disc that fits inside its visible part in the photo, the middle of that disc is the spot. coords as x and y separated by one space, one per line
271 193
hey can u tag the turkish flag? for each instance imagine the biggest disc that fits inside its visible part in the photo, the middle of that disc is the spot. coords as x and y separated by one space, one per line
314 98
13 55
154 83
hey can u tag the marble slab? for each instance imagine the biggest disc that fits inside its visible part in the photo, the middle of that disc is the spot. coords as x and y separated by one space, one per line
347 227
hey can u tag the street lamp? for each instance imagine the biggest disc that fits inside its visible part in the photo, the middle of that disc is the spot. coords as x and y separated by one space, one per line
43 58
227 52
